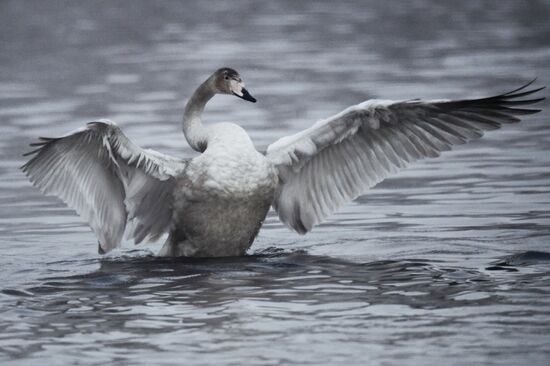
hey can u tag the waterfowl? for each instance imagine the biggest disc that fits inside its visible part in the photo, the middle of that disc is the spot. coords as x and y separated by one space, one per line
214 204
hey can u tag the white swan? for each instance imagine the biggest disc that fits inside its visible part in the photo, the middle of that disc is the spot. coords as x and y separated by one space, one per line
214 204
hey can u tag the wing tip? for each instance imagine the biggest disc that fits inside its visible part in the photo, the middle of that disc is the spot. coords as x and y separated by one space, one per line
39 145
518 93
522 86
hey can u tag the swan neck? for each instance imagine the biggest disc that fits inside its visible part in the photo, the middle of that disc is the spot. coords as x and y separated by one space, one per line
192 126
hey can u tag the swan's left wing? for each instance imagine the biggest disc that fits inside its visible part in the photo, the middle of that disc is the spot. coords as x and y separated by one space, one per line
108 180
339 158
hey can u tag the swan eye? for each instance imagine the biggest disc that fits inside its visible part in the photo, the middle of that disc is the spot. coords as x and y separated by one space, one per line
226 77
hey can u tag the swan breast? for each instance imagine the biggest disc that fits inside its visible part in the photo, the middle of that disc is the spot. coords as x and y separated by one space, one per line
231 166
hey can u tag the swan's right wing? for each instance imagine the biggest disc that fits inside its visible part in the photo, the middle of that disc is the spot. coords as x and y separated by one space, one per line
339 158
108 180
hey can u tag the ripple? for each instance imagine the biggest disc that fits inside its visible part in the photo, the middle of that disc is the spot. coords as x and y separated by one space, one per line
444 262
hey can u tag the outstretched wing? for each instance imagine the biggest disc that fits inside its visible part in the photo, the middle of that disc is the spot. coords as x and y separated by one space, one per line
108 180
339 158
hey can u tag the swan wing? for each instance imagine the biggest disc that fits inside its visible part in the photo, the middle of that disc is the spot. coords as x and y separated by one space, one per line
339 158
108 180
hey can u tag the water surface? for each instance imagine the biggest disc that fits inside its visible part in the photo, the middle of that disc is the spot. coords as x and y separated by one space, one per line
444 263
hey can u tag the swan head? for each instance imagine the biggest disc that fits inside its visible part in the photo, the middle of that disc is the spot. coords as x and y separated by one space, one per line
228 81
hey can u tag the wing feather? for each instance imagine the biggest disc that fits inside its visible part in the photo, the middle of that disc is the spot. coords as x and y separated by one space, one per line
108 180
339 158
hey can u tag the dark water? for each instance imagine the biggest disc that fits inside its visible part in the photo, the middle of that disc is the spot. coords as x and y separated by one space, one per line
444 263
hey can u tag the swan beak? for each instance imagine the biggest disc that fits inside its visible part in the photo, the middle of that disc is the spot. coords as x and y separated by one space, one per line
246 95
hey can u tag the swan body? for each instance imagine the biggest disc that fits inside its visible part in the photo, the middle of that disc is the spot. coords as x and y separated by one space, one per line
214 204
223 198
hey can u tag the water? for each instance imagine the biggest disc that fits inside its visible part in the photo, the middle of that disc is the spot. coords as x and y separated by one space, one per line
444 263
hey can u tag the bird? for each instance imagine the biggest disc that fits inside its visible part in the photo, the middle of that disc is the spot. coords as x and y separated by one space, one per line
214 204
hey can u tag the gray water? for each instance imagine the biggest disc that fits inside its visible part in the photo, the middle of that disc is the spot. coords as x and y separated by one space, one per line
444 263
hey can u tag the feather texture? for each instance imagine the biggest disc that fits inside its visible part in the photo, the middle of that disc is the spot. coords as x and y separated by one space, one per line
108 180
339 158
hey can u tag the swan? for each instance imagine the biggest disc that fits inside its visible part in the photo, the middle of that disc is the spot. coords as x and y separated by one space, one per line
213 205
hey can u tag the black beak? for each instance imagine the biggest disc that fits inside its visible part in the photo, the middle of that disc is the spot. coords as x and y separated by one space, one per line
246 96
